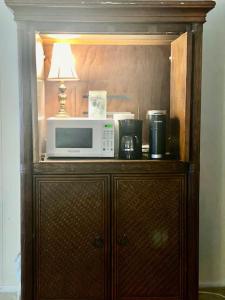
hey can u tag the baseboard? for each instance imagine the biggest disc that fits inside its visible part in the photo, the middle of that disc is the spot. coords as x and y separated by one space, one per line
9 293
8 296
218 284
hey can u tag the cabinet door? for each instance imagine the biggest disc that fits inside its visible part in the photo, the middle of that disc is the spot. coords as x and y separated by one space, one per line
71 237
180 95
148 237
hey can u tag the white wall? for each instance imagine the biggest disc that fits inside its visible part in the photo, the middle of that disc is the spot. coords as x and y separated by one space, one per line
212 192
212 189
9 150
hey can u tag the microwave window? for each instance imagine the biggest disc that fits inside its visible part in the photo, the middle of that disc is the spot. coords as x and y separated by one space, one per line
74 138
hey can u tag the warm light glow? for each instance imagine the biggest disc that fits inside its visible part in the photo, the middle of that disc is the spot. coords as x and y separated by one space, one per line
64 37
109 39
62 63
39 59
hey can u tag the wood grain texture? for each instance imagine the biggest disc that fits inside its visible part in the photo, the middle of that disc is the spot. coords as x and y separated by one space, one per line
109 39
111 27
145 17
180 86
154 3
149 237
41 118
196 96
26 159
72 237
193 207
128 71
113 11
110 166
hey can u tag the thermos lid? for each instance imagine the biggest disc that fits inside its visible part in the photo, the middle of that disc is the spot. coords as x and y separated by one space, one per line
155 112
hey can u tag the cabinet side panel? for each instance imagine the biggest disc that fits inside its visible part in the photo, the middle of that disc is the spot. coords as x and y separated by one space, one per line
193 201
26 157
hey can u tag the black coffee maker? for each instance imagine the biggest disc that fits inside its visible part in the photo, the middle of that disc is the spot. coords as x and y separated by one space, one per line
130 139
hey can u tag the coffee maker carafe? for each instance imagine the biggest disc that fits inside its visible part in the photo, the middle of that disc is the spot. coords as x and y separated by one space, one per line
130 139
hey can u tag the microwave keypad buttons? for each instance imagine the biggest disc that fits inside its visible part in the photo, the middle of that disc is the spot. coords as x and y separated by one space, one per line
107 145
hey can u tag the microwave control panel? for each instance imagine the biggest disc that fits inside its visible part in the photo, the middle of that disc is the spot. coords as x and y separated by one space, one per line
108 140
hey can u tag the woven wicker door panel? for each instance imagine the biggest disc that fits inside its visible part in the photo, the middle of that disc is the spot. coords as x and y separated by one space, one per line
148 237
72 237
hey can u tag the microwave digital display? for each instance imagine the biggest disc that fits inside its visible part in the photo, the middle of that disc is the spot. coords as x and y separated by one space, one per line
74 137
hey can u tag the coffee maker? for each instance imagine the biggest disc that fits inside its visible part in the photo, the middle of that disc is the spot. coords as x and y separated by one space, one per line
130 139
116 118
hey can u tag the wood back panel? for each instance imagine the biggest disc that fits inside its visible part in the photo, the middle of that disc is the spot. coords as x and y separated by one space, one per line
72 238
148 237
180 89
126 71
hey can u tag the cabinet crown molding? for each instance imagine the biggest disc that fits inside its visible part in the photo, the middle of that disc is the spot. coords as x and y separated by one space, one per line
141 11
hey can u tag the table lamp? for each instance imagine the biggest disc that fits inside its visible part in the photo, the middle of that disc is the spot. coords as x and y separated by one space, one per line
62 69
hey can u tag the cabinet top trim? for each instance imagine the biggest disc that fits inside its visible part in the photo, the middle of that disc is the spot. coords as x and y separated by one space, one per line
75 3
141 11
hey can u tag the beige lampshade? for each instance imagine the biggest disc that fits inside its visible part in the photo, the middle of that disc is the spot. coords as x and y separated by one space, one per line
62 63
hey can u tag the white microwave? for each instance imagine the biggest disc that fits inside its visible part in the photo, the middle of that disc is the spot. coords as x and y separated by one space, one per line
80 137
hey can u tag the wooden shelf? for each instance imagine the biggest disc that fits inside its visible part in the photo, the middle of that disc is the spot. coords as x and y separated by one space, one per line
103 166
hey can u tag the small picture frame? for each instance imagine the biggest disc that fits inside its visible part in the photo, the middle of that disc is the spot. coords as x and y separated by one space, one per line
97 103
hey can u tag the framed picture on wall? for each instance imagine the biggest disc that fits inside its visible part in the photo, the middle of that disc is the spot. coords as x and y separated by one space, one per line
97 103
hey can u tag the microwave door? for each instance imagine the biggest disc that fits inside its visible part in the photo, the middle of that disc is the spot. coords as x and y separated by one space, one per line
74 138
77 141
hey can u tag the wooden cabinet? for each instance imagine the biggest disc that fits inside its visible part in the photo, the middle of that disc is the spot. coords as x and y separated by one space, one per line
72 237
90 245
94 229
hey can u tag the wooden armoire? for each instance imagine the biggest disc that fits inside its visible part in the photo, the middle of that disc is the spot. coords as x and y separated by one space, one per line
110 229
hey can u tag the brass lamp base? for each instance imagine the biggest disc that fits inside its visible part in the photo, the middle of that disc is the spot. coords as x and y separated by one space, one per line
62 101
